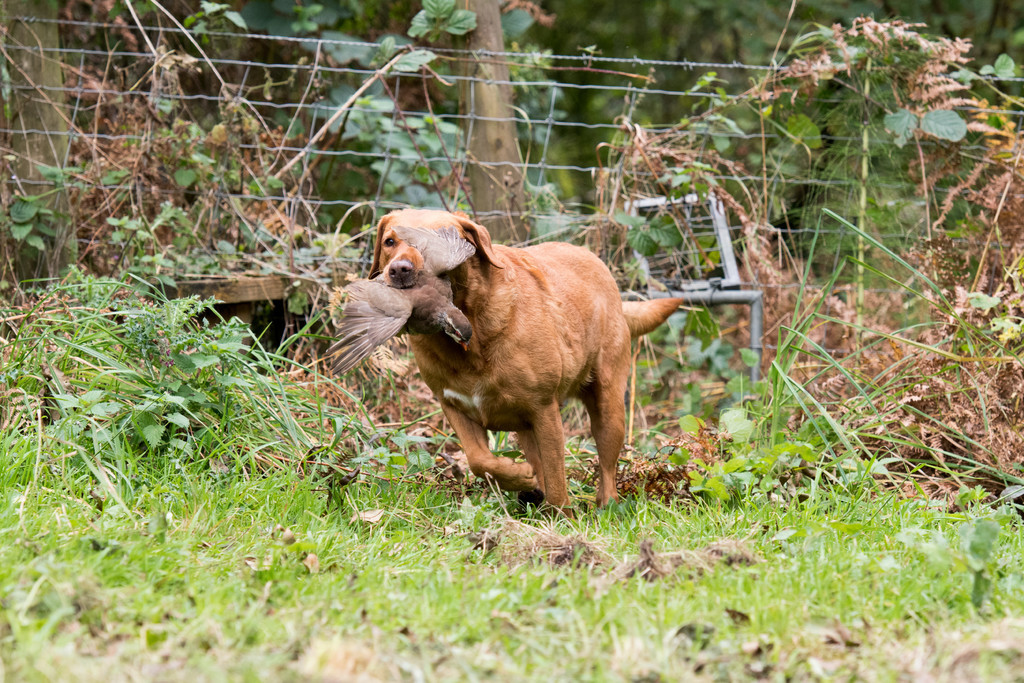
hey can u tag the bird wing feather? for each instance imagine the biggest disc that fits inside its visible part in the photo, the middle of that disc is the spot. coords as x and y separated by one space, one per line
442 249
374 314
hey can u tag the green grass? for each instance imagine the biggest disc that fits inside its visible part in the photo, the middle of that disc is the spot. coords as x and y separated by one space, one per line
194 582
153 526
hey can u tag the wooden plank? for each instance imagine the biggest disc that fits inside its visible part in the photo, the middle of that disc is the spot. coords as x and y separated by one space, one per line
238 290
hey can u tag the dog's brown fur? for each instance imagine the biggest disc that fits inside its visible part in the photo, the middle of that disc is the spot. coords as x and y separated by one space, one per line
548 324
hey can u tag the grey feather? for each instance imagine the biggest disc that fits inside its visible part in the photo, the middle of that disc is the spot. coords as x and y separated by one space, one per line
442 250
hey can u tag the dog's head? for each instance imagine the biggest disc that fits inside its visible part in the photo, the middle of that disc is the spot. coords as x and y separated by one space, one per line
399 261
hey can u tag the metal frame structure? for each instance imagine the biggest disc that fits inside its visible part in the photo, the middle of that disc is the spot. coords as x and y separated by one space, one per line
713 291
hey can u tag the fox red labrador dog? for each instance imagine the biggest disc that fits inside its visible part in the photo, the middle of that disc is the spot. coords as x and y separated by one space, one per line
548 324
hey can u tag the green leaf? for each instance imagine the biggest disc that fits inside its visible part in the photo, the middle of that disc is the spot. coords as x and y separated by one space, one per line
736 423
185 176
93 396
203 360
1004 66
515 23
36 242
438 9
978 541
20 231
804 130
343 53
462 22
983 302
421 25
297 302
414 60
750 357
628 219
901 124
665 233
23 211
642 241
114 177
236 19
177 419
150 429
104 409
690 424
945 124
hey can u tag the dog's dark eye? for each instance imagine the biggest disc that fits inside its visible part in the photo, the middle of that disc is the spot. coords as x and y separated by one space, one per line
389 242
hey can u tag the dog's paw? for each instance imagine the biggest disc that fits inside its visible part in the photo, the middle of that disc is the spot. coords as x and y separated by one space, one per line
534 498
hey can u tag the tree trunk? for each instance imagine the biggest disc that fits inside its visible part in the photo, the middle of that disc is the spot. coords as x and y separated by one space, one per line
494 165
36 114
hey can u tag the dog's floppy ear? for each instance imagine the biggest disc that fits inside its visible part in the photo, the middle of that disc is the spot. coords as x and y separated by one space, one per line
377 266
481 239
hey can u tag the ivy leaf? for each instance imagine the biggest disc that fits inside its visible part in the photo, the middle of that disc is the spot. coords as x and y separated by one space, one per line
802 129
945 124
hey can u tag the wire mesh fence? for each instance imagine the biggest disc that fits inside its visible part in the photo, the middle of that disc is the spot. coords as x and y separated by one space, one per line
183 152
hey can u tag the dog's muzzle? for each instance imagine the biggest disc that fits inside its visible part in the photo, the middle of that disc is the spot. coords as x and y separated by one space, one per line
401 274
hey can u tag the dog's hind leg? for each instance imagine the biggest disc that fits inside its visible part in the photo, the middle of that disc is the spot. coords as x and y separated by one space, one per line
507 473
607 410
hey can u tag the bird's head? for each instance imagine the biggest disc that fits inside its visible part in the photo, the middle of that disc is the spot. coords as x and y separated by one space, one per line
459 330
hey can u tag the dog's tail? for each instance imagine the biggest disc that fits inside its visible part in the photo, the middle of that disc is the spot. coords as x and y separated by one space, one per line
644 316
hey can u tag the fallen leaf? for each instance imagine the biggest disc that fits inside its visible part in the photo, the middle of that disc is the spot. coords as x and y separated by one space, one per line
312 563
368 516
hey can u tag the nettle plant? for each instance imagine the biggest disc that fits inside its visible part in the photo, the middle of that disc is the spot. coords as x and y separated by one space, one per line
120 375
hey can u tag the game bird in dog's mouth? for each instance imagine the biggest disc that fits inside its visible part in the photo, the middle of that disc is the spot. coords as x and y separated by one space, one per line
419 300
548 324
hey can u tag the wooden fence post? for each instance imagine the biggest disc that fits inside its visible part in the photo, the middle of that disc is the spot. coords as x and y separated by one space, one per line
37 117
495 167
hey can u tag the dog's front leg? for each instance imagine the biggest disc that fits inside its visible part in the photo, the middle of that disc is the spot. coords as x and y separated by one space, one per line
544 447
507 473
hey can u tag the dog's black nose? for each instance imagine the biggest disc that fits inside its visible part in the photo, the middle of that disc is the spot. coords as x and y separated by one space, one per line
400 273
